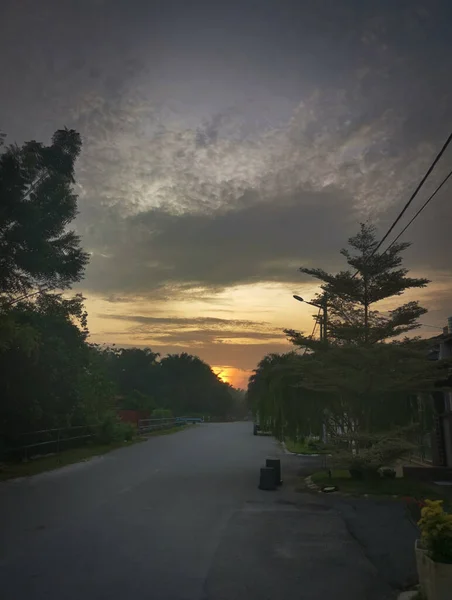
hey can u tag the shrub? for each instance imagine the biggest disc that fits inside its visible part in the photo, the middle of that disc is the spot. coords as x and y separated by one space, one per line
315 444
364 455
162 413
436 531
110 430
128 431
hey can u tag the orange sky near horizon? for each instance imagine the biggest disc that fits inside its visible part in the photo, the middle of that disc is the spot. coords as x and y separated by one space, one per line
236 330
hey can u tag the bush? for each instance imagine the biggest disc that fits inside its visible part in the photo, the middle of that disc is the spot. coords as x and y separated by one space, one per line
111 430
364 455
314 444
128 431
436 531
162 413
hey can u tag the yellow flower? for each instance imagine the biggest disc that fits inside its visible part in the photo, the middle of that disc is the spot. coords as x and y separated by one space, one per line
434 503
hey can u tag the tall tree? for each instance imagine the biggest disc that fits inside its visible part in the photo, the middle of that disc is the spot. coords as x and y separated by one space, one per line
136 373
55 381
282 405
350 294
188 384
37 203
362 370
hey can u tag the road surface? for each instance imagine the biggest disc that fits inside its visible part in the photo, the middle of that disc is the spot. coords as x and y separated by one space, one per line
178 517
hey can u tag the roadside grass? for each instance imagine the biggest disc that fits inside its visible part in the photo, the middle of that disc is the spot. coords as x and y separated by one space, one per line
301 448
400 486
71 456
166 431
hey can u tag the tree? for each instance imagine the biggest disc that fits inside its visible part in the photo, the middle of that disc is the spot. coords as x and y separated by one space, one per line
239 408
369 388
136 373
188 384
350 294
181 383
37 204
52 377
57 381
362 370
275 395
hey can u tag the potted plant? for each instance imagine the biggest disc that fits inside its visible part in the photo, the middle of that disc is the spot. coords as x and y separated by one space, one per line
434 551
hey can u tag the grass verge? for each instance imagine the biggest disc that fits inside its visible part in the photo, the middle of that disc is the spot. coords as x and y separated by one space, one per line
409 488
70 456
167 431
301 448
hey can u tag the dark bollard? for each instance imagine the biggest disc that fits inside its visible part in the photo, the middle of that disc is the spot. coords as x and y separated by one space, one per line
267 479
275 464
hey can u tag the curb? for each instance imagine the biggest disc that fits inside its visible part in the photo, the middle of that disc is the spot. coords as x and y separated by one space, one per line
315 488
284 447
409 595
311 485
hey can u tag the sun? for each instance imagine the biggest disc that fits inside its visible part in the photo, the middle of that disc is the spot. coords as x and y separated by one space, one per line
225 374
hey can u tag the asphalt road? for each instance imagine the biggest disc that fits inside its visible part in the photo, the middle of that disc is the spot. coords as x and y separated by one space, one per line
177 517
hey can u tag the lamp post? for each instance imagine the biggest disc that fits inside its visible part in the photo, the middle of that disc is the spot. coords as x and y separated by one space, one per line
323 305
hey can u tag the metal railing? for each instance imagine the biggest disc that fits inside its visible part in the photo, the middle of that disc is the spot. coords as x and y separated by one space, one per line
52 441
54 438
150 425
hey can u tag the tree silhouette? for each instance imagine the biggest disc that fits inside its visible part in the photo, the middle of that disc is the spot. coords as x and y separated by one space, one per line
37 203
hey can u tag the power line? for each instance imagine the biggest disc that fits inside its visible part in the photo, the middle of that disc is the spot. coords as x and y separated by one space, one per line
432 326
420 210
415 193
402 212
412 197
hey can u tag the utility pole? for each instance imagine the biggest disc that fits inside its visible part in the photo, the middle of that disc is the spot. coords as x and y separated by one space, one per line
325 319
321 319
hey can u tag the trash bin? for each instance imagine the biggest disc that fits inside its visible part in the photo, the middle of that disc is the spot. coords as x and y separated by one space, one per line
275 463
267 479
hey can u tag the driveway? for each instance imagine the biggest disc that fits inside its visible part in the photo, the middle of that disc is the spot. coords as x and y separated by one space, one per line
178 517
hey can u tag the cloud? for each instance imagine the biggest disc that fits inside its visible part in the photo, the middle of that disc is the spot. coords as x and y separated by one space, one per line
202 322
233 342
213 159
201 331
266 241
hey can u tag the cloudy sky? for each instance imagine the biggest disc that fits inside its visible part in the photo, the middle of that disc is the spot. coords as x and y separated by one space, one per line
227 143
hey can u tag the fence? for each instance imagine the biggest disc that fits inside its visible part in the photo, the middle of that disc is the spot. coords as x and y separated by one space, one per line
150 425
51 441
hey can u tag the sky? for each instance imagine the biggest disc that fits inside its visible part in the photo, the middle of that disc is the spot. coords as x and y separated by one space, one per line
226 144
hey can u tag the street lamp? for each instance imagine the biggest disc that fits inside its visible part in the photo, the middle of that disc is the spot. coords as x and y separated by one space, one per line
323 320
300 299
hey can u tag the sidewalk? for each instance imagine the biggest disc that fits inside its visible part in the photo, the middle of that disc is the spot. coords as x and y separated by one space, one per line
383 529
386 534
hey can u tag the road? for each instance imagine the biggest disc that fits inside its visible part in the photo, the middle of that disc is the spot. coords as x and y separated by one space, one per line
178 517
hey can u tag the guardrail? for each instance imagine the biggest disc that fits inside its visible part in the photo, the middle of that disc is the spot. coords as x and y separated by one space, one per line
55 440
149 425
52 440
